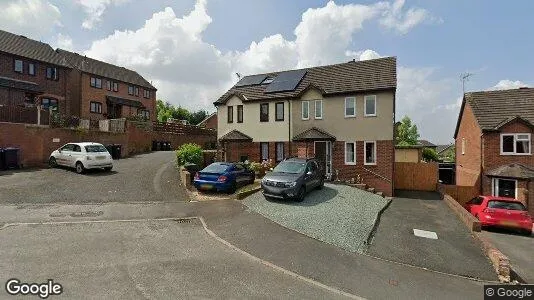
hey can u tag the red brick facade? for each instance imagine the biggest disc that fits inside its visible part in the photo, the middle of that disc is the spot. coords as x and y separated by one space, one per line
54 89
379 176
88 94
482 153
210 122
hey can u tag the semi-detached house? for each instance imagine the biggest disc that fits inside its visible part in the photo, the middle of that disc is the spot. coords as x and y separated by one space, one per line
342 114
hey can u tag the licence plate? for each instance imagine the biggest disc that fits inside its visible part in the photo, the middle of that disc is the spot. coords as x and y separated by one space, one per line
206 186
100 157
509 223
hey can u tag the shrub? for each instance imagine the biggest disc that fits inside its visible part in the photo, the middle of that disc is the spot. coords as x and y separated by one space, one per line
189 153
430 155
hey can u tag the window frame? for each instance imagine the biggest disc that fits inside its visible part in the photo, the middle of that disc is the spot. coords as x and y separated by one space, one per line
97 105
146 94
495 186
109 85
54 75
276 152
239 113
34 70
144 113
93 83
276 111
315 110
345 111
266 119
515 135
302 110
21 66
50 101
365 153
136 91
354 156
261 151
115 86
130 90
365 114
230 114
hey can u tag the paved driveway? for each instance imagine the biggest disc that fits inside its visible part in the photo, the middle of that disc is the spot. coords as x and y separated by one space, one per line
518 248
454 251
340 215
146 177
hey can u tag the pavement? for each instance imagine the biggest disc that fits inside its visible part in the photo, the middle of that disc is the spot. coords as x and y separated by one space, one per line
455 251
340 215
88 243
520 250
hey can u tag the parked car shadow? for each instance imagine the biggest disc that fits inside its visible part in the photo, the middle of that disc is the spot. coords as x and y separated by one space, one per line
507 232
21 170
311 199
98 172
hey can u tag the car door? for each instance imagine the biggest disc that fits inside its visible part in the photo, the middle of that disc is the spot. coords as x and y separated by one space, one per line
76 155
474 206
309 176
240 174
63 154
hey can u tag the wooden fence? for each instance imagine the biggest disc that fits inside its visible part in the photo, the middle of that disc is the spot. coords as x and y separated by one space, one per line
27 115
416 176
461 194
178 128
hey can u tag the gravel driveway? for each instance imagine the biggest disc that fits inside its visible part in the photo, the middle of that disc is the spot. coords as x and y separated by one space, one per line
339 215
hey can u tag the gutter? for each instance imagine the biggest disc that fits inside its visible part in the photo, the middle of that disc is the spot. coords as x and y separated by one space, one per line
289 127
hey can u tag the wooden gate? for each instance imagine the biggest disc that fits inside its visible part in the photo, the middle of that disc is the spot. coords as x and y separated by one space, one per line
416 176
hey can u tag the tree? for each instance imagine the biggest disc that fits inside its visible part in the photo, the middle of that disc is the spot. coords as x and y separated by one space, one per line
430 154
197 117
450 154
165 110
407 134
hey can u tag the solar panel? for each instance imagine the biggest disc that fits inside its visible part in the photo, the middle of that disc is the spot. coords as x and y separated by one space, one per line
286 81
251 80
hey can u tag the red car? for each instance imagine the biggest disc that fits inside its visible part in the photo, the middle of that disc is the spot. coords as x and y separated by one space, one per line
500 212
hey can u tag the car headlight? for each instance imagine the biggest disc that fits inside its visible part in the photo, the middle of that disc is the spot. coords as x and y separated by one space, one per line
290 184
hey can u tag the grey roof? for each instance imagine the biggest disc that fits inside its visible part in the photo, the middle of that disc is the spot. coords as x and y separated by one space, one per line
100 68
353 76
22 46
20 85
443 148
512 171
235 135
426 143
492 109
124 101
313 134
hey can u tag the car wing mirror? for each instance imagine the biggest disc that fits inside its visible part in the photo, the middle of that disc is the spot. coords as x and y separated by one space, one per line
309 173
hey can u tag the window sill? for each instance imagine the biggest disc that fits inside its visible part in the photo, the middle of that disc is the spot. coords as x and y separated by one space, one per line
350 117
318 118
369 164
516 154
350 163
369 116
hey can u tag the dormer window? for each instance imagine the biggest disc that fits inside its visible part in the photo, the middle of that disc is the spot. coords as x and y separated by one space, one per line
267 80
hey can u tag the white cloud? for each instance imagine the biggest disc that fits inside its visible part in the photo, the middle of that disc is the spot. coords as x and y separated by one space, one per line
170 50
95 10
506 84
394 17
34 18
64 42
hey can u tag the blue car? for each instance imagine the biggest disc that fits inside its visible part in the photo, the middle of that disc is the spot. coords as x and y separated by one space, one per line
223 176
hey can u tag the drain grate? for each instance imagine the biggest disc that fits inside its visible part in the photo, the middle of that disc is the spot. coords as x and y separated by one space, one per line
183 220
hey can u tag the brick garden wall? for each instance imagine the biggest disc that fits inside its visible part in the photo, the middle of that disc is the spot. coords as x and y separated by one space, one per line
37 142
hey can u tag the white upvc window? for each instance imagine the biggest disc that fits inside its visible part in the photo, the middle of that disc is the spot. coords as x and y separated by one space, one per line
350 107
515 144
350 153
504 187
369 106
318 109
305 110
369 152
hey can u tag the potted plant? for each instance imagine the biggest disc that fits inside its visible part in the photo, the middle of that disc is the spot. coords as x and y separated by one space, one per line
256 167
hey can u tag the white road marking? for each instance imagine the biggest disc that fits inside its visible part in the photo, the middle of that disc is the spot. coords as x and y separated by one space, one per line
425 234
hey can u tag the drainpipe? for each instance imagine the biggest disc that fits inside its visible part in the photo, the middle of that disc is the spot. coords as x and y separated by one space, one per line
289 127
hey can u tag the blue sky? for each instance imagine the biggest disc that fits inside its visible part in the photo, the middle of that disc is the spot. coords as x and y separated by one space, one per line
190 49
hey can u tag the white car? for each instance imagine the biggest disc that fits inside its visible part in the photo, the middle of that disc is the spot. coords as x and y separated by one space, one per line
82 156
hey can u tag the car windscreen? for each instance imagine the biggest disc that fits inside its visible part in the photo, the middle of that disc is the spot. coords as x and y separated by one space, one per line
292 167
216 168
506 205
95 148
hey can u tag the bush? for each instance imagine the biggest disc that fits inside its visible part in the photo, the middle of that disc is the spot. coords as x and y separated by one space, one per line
189 154
430 154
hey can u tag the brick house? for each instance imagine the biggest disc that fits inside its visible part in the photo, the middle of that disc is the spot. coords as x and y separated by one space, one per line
493 143
106 91
32 73
209 122
341 114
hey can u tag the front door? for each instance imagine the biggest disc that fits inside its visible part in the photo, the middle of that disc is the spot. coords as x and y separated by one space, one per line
504 187
114 111
323 154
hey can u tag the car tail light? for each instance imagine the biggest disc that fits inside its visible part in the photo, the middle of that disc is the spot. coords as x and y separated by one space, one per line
197 176
222 178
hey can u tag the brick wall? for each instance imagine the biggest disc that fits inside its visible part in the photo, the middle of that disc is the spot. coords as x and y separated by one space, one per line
89 94
211 122
37 142
52 88
468 165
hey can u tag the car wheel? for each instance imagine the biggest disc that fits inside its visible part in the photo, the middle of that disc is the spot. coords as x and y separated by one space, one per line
108 169
233 188
301 194
79 168
321 185
52 162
